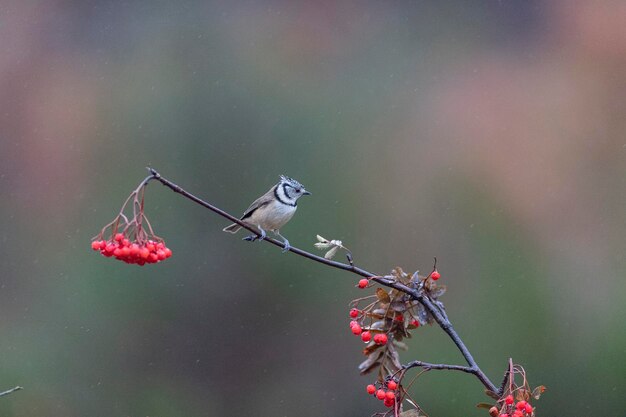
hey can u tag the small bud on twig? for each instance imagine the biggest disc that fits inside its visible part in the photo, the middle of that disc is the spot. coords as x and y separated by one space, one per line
333 247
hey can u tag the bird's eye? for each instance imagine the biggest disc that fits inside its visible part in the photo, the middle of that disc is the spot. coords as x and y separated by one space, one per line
298 190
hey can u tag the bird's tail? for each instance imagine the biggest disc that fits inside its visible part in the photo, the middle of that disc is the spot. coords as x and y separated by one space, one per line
233 228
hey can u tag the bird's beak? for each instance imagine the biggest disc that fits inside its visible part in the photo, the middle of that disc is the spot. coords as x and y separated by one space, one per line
306 193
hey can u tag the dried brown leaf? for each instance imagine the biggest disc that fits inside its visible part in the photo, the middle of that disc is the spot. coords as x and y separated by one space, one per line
484 405
415 277
536 394
398 272
400 345
380 311
438 291
401 275
398 306
382 296
401 333
395 293
422 315
522 394
377 326
394 357
492 394
370 363
369 349
375 314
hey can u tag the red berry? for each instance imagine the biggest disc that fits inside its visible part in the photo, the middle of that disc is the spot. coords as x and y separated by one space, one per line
160 254
388 402
134 249
518 413
356 329
504 415
435 275
168 252
353 323
509 400
144 253
415 323
392 385
390 395
354 313
520 405
366 336
380 339
119 237
370 389
153 258
380 394
117 252
528 408
399 318
95 245
150 245
363 283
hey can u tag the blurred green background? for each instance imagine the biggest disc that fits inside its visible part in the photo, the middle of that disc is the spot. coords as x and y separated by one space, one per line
489 134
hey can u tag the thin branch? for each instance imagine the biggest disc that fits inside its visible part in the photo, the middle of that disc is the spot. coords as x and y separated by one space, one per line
418 295
440 366
507 377
9 391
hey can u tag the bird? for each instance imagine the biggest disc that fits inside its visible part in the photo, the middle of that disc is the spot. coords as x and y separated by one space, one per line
272 210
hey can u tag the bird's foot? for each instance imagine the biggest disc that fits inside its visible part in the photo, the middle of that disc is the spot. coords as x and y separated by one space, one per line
253 238
250 238
287 246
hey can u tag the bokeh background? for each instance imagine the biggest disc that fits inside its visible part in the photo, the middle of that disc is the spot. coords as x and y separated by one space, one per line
490 134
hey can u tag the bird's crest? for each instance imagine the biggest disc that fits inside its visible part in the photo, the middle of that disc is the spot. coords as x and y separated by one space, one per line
290 181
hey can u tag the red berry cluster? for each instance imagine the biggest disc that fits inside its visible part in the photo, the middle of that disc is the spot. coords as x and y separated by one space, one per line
366 336
131 238
132 252
387 396
515 409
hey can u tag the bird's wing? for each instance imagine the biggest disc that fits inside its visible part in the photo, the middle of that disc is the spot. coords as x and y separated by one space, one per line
262 201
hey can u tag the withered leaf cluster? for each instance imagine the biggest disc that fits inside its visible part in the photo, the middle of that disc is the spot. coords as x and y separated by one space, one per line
517 391
395 314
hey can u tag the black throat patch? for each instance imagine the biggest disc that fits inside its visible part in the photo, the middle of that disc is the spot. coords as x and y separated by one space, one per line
280 200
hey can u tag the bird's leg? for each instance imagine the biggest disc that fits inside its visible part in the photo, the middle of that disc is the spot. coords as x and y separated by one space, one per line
252 238
285 241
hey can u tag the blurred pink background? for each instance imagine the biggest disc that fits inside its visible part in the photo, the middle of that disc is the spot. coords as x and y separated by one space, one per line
489 134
